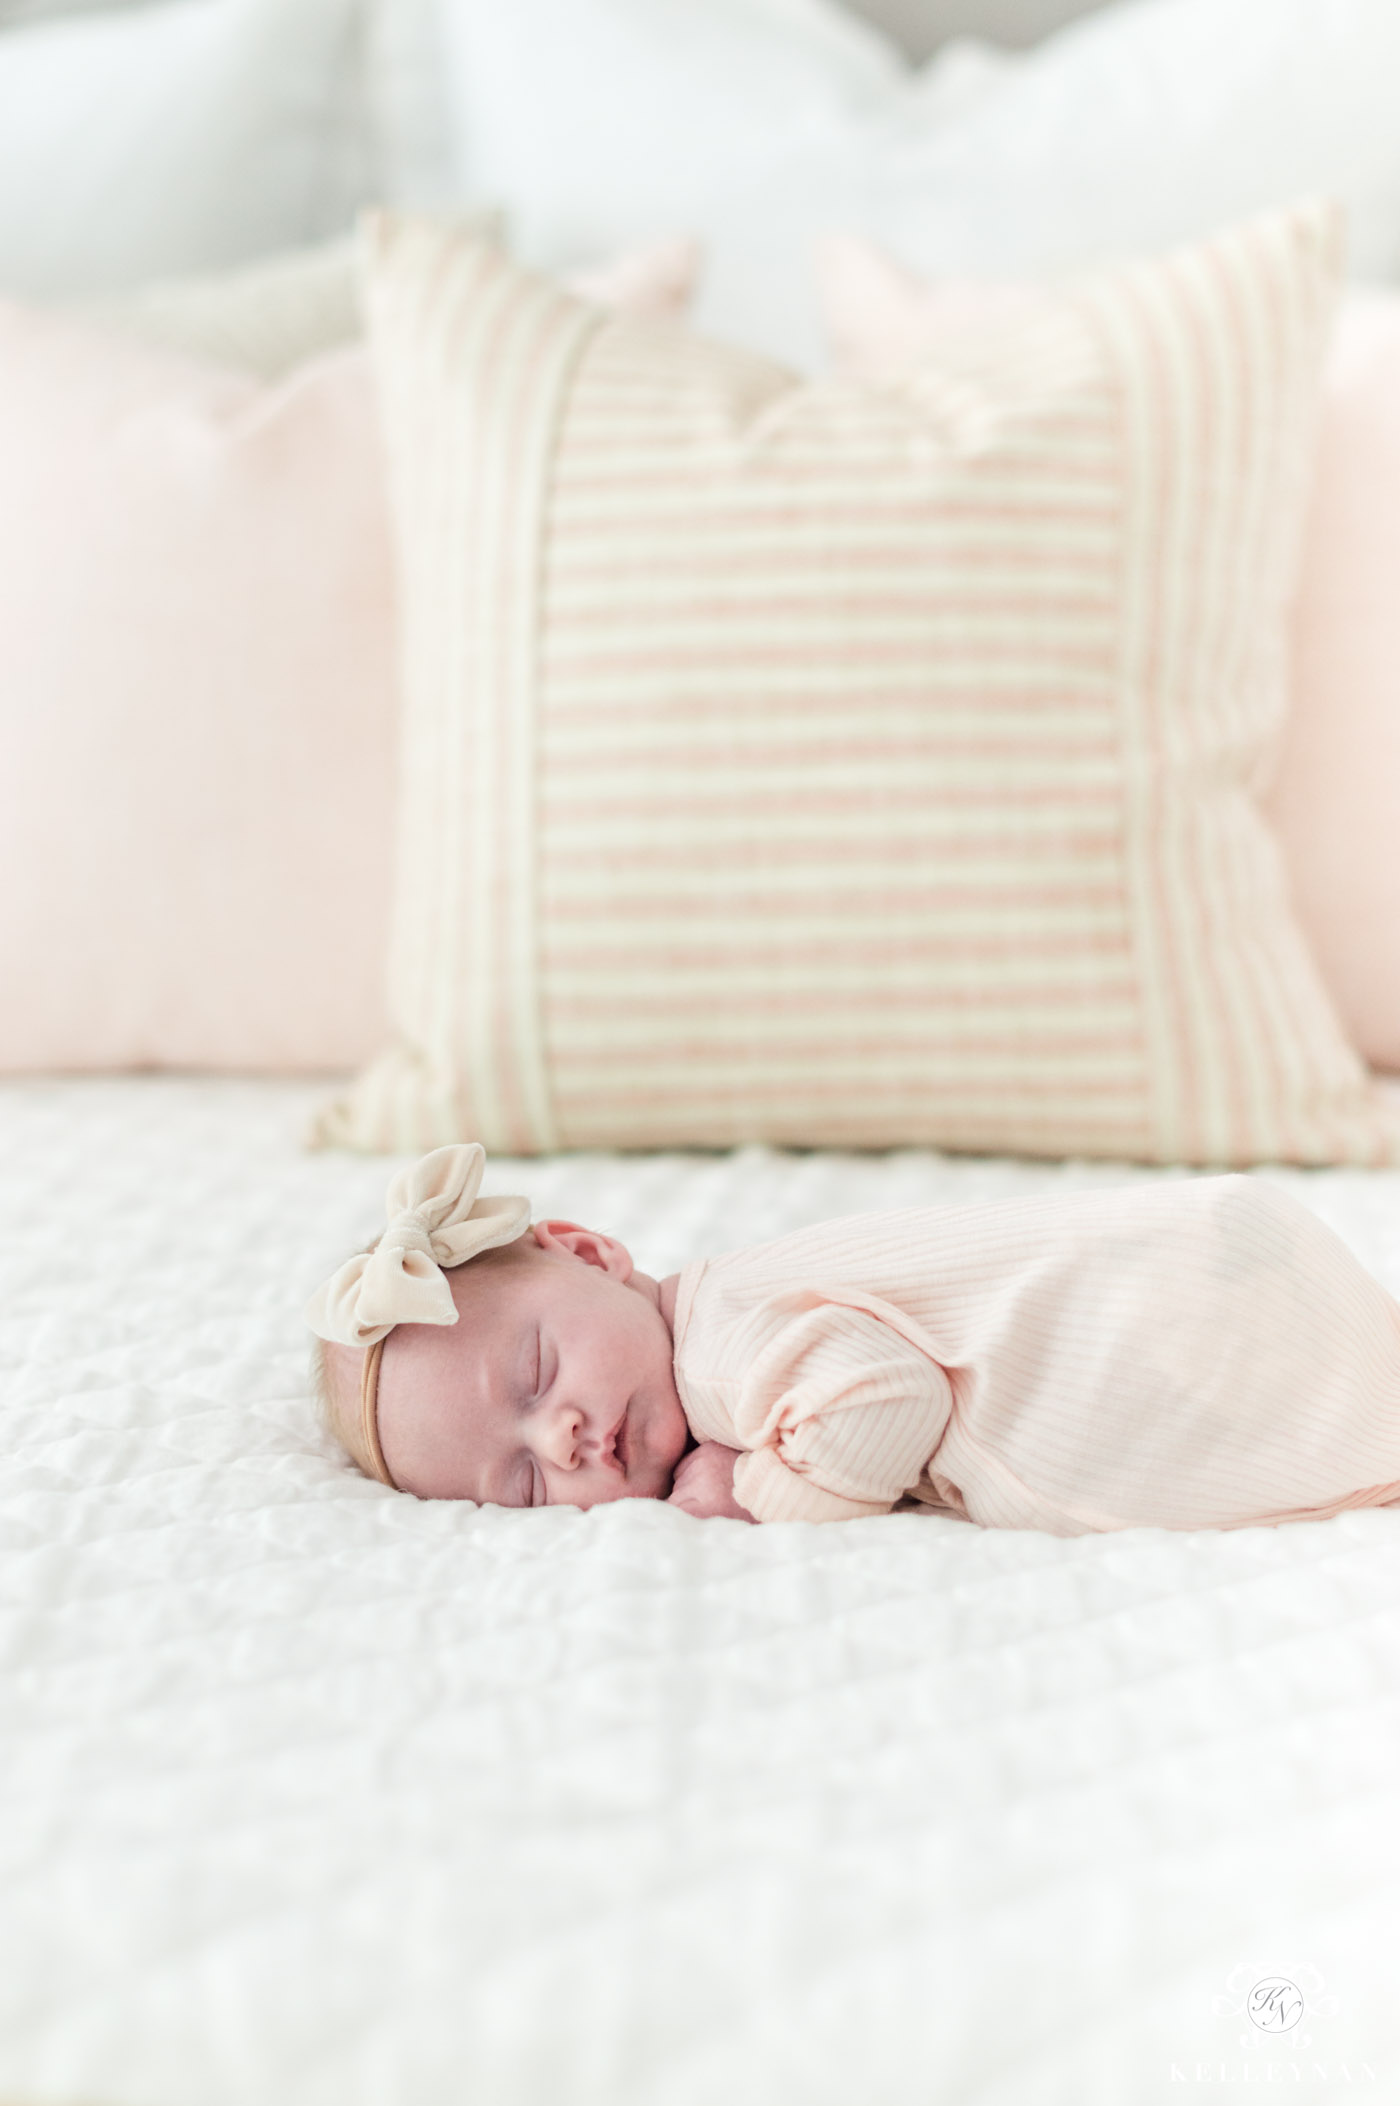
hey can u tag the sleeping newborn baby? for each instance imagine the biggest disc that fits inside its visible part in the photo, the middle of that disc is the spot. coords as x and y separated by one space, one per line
1193 1353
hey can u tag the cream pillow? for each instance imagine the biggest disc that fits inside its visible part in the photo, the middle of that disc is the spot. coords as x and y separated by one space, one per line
830 764
263 317
272 315
197 676
1334 796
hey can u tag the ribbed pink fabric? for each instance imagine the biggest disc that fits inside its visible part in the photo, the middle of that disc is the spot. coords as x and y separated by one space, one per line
1193 1354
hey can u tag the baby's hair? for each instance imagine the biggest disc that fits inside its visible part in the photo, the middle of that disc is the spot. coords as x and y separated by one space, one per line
321 1387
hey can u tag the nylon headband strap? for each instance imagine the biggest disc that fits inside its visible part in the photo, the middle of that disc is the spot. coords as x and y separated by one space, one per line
369 1414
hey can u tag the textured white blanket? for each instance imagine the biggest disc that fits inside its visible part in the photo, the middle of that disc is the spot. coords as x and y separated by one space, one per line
317 1796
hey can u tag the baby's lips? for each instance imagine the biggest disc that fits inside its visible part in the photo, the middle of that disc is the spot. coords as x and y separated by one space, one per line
612 1449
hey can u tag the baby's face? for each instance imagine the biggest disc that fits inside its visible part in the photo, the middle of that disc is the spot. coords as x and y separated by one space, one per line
555 1387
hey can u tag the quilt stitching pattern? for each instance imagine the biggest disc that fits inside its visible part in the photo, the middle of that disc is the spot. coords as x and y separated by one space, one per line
315 1793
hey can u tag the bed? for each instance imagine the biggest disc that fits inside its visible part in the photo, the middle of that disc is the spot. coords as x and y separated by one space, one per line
315 1793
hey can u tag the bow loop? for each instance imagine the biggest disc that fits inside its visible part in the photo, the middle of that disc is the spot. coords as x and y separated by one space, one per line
434 1222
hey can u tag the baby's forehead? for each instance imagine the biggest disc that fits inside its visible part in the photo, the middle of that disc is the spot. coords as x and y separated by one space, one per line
497 1306
449 1394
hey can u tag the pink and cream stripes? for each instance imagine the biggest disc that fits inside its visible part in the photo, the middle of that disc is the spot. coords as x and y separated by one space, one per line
848 764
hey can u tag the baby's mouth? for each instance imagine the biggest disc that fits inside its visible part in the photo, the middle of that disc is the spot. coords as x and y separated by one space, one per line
612 1448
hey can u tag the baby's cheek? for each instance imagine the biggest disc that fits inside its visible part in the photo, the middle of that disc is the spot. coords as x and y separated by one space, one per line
681 1441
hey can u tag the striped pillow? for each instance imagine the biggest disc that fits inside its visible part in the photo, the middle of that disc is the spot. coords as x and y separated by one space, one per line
841 764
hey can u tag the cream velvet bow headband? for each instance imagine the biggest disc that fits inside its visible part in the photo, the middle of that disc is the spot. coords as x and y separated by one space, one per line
435 1221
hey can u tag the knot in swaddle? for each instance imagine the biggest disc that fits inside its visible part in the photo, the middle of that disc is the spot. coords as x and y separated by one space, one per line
435 1222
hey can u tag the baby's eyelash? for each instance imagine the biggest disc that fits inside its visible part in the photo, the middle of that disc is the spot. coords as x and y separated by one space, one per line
539 1361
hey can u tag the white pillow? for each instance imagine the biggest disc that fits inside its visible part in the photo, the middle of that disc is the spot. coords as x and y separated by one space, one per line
646 114
1150 122
175 138
763 123
264 317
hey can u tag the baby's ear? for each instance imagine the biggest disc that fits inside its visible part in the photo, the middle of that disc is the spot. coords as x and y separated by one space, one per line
603 1252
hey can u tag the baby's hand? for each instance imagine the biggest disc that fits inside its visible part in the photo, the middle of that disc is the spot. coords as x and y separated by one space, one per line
704 1484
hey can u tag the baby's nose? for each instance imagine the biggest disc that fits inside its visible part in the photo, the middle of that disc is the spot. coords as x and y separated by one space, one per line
559 1438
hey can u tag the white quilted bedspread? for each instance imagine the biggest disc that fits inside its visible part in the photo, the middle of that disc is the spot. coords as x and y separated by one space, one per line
318 1796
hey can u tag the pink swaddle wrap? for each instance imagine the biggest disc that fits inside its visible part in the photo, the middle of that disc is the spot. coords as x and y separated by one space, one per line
1198 1353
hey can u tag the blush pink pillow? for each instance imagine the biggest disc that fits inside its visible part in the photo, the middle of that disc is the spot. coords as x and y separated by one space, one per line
880 318
197 698
196 683
1334 801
